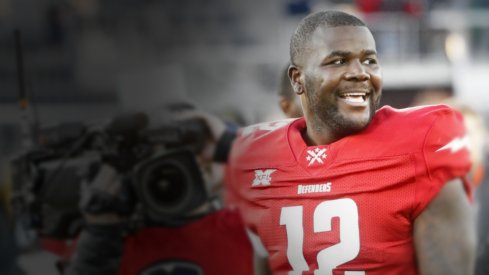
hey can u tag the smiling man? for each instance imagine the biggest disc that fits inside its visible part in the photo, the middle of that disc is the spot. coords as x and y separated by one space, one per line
352 189
337 73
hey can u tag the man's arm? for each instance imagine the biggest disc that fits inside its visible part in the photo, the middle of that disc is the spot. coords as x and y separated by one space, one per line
444 233
99 250
100 245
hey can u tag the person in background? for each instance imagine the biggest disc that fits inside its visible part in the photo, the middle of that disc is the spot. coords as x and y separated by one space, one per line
207 240
289 102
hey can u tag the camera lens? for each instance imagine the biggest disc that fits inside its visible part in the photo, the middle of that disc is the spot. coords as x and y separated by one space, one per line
169 186
166 184
166 187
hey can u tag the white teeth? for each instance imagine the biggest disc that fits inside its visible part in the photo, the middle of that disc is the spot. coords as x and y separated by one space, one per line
354 94
356 99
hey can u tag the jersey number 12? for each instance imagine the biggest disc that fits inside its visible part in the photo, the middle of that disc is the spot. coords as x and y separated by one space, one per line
329 258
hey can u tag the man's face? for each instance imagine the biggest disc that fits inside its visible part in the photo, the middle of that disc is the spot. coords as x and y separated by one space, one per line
341 79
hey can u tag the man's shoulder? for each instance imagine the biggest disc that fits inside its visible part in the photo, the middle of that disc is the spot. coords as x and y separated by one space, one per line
264 133
258 130
418 112
414 119
406 130
261 143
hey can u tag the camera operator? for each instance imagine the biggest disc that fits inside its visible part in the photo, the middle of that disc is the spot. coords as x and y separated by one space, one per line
205 240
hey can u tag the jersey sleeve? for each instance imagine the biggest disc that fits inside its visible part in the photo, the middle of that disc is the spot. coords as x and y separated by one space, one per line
446 156
229 188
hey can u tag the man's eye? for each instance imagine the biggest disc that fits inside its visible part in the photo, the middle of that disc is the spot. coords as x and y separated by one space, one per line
370 61
338 62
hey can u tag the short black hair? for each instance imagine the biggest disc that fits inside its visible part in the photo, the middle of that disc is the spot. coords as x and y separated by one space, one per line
310 23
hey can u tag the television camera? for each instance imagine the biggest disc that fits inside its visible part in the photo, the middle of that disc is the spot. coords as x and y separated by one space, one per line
161 179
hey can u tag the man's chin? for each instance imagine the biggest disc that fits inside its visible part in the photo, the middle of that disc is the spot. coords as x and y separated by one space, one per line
361 118
353 125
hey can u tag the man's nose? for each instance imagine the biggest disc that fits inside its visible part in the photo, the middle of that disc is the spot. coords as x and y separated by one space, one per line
356 71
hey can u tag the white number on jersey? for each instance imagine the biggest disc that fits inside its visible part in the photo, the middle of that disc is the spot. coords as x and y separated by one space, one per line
329 258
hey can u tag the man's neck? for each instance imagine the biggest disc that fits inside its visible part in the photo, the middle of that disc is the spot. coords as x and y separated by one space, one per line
319 136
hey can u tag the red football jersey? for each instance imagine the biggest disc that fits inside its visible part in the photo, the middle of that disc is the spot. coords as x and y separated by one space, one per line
347 207
213 245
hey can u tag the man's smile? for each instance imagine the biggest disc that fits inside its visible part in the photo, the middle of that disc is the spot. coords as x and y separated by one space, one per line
355 98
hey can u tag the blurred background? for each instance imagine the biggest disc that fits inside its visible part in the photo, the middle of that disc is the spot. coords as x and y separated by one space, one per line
84 60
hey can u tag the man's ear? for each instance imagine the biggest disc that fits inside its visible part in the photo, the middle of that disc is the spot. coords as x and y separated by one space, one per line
295 76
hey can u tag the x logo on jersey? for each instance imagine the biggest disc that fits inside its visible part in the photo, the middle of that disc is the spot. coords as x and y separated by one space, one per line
263 177
316 155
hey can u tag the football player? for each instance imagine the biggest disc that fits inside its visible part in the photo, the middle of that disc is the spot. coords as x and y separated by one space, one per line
351 188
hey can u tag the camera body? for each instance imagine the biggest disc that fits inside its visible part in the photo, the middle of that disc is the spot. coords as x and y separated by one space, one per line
162 181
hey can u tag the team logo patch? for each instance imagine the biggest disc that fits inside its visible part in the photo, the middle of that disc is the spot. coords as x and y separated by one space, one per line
263 177
456 145
173 268
316 156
